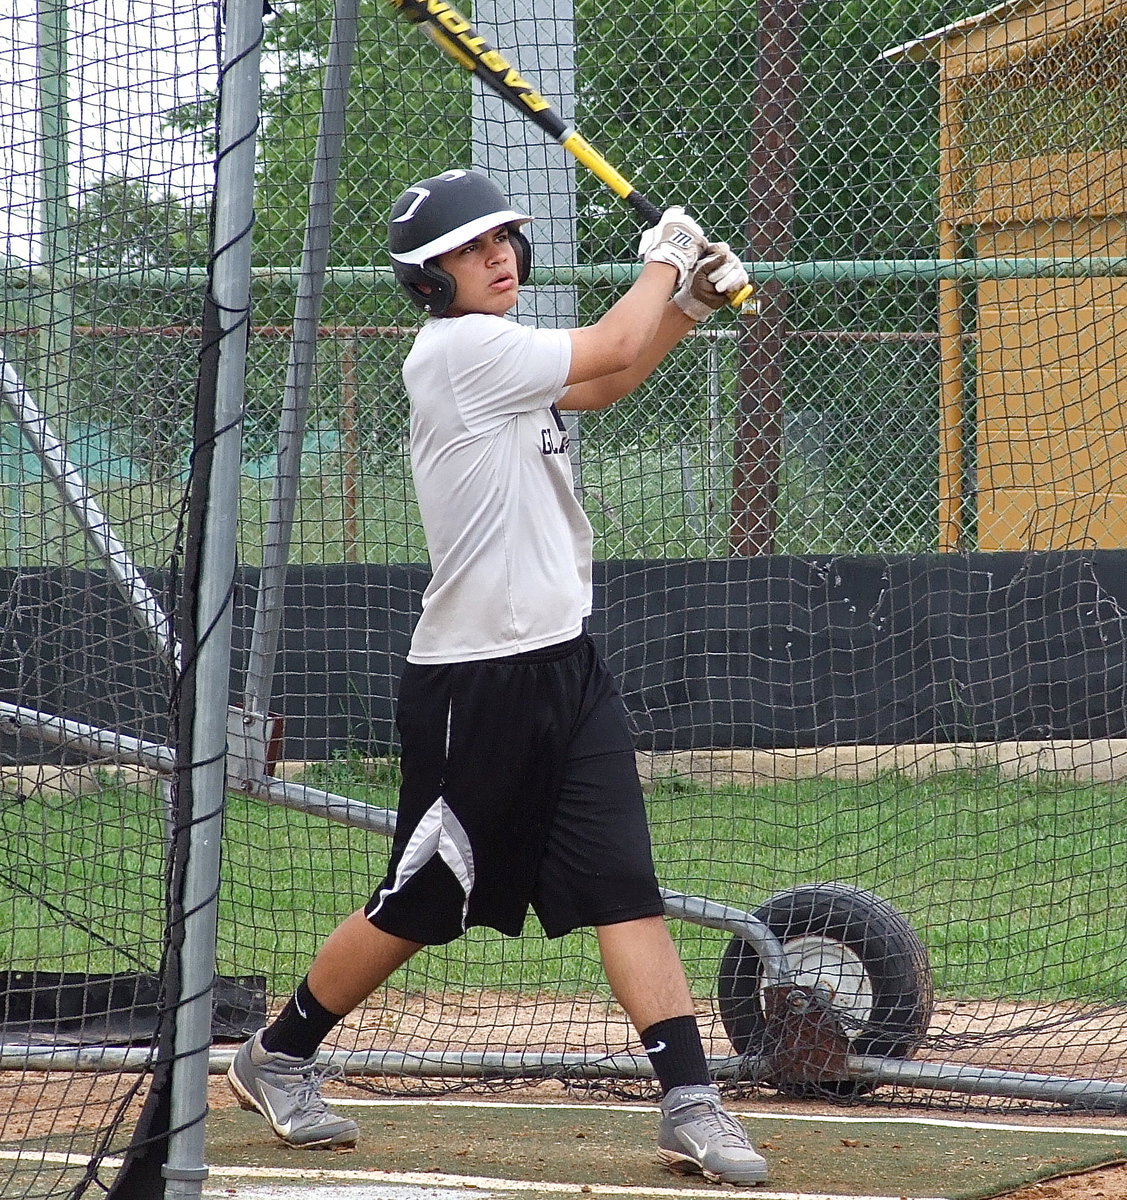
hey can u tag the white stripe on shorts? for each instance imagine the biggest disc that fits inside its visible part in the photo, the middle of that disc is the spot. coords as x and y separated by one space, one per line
438 832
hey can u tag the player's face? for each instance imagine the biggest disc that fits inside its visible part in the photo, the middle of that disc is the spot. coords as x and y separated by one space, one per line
485 272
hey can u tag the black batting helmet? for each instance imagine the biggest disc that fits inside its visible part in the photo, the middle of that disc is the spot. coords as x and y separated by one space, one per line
439 214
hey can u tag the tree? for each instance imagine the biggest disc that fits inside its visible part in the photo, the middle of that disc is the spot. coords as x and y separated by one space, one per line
127 223
140 245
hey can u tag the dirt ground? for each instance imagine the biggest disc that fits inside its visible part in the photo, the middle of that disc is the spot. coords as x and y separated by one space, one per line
73 1107
1105 1183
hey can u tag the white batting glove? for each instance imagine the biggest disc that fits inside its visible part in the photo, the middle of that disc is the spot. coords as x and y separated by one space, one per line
676 239
717 276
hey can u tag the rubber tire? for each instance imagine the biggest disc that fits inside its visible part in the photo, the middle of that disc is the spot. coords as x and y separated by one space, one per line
892 958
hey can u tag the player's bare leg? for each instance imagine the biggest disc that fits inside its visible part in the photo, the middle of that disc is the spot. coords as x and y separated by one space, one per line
696 1135
355 959
644 971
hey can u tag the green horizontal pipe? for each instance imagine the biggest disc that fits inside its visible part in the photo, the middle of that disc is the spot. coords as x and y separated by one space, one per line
826 271
847 269
836 270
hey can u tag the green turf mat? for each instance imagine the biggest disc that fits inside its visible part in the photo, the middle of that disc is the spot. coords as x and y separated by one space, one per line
589 1146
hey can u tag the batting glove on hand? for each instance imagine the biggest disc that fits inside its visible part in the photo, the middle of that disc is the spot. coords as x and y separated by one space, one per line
717 276
676 239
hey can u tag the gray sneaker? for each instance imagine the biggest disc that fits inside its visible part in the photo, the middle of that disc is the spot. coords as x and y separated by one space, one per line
697 1135
287 1092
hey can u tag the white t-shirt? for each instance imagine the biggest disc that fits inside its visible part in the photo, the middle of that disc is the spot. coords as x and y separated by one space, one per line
509 543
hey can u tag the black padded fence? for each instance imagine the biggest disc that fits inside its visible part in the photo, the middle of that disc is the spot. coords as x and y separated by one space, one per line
772 652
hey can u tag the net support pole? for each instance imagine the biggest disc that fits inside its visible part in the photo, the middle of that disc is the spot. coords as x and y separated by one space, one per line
53 306
213 525
299 368
95 525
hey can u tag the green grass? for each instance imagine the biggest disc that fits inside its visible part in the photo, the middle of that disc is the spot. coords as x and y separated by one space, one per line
644 501
1015 887
1011 885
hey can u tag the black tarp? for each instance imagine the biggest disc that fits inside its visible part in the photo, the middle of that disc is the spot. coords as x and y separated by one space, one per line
752 652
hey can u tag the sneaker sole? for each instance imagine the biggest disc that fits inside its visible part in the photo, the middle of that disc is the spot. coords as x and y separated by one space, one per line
248 1102
682 1164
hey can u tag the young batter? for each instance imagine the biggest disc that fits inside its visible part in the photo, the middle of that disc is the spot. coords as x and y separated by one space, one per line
520 788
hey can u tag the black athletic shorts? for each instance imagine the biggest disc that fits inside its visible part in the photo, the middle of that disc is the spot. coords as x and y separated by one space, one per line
520 789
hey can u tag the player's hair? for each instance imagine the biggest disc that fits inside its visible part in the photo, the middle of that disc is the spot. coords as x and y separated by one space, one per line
439 214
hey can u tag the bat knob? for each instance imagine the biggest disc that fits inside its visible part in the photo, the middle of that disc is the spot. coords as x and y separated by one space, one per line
740 298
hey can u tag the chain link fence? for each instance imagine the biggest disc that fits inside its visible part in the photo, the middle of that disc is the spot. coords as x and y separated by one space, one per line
860 552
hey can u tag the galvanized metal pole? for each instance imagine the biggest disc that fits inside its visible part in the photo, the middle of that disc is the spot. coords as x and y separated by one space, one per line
40 435
532 170
53 307
299 370
216 527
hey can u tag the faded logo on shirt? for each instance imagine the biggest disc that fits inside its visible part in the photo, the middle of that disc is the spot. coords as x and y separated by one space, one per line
554 440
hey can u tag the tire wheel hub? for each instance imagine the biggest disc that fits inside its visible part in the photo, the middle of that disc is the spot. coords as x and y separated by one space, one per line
835 970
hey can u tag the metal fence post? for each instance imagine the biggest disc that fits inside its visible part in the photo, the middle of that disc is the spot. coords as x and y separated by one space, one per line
532 170
215 527
302 357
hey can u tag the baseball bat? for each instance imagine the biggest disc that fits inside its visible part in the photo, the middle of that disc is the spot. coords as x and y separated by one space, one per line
456 36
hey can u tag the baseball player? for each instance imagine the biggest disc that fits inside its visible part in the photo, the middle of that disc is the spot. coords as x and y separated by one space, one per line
519 783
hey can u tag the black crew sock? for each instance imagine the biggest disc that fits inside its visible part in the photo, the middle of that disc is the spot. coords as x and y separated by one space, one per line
675 1050
301 1026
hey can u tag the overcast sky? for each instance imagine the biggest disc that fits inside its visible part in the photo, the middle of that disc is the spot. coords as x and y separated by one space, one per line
129 62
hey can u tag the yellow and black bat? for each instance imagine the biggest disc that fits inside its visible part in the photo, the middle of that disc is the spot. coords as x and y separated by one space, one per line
456 36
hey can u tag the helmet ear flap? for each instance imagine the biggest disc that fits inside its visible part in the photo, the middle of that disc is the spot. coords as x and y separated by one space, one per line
524 252
429 287
442 288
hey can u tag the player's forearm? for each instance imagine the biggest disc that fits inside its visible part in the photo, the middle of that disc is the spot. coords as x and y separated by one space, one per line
636 316
672 326
622 335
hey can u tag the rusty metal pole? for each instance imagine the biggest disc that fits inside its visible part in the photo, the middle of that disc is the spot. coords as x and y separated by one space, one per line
952 370
770 236
350 448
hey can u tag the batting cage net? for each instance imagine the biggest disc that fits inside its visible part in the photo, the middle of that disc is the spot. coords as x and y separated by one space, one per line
861 567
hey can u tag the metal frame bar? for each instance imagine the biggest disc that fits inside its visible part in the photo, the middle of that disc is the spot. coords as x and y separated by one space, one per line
827 270
302 355
1090 1094
1103 1094
95 525
185 1166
